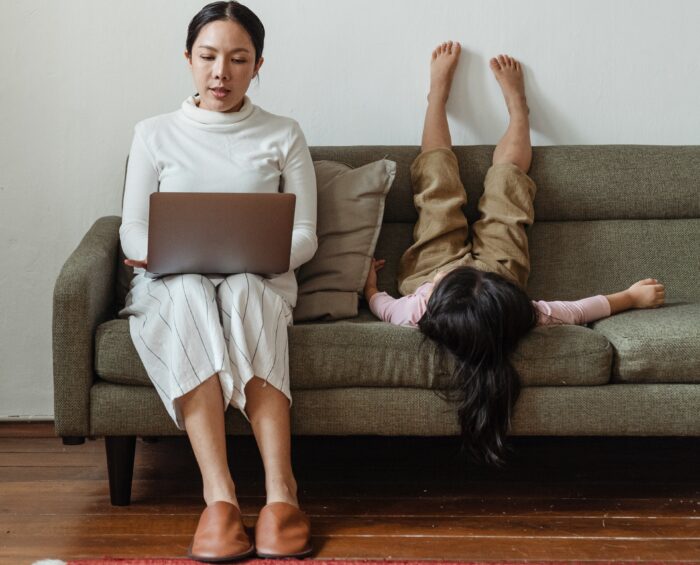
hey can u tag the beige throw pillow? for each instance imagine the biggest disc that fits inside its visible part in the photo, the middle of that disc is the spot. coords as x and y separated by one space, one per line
350 212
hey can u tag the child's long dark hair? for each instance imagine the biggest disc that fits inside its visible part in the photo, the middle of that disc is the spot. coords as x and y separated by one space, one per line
479 317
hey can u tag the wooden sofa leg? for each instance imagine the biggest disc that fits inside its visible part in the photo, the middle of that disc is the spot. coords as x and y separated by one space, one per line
120 467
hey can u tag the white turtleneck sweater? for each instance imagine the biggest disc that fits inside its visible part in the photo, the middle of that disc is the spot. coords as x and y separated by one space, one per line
197 150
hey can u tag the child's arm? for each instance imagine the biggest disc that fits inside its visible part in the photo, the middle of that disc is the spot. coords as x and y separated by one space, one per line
647 293
371 283
405 311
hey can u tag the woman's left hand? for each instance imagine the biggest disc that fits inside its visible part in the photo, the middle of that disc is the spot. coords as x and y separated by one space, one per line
136 263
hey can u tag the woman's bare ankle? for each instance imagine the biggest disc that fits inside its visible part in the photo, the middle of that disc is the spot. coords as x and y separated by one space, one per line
216 493
282 489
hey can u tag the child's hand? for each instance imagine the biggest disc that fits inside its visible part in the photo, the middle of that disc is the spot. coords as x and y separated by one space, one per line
647 293
371 283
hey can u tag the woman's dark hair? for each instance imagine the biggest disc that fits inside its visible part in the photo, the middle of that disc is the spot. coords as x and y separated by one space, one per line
479 317
233 11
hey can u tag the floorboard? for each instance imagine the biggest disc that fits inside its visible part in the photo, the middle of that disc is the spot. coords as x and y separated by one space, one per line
579 499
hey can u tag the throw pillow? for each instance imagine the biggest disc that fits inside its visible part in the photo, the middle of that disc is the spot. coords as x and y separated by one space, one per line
349 218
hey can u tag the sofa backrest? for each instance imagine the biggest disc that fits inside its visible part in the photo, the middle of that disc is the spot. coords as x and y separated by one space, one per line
605 216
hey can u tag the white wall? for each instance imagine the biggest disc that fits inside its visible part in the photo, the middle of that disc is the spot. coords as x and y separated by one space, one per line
76 75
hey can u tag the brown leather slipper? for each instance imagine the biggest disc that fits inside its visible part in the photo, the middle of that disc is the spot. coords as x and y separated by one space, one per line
220 535
301 555
282 531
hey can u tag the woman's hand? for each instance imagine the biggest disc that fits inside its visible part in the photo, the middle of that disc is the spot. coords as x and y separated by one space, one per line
135 263
647 293
371 283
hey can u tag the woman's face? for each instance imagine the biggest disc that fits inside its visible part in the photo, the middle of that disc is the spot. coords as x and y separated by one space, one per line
222 64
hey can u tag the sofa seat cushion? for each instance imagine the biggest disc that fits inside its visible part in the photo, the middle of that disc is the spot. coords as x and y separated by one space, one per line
563 355
365 352
655 346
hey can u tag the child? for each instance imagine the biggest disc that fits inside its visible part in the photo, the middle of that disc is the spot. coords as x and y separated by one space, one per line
468 296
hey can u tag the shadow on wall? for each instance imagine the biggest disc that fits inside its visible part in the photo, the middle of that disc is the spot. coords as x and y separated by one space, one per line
553 126
469 98
473 108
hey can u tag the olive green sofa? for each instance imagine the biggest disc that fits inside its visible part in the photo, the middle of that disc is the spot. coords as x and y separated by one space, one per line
606 216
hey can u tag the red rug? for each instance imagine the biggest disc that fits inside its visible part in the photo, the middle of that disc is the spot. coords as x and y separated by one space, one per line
358 562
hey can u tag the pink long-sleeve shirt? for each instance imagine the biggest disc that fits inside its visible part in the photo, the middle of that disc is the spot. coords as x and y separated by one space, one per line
406 311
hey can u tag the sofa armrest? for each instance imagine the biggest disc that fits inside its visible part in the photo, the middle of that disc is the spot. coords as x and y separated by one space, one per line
83 298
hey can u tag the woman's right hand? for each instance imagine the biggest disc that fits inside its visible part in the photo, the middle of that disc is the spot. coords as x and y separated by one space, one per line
138 264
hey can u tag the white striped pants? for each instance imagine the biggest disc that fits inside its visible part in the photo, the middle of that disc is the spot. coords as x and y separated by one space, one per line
188 327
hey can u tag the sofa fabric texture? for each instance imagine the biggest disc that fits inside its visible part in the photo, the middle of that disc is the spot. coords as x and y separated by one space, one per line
619 409
605 217
369 353
662 346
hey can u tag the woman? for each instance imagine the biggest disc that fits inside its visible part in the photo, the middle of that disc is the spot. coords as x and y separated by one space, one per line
466 296
204 339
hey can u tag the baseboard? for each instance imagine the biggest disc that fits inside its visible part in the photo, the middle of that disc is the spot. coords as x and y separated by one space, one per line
24 429
27 418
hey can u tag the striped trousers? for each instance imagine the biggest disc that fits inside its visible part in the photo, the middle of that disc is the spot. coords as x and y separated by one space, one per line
189 327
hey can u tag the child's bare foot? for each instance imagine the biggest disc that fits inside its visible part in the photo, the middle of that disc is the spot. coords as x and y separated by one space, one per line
509 75
442 68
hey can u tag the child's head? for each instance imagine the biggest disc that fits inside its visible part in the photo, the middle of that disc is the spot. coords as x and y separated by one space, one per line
479 317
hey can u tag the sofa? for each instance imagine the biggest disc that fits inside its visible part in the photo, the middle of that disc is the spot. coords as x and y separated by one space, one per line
606 216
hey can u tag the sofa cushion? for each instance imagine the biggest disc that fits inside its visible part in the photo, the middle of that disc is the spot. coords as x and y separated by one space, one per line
572 260
365 352
563 355
588 182
350 212
655 346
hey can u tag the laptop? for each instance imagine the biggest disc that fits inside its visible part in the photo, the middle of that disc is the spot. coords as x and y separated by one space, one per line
219 233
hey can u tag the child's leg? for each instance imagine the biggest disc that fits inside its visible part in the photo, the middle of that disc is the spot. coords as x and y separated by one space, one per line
514 147
441 230
499 237
436 130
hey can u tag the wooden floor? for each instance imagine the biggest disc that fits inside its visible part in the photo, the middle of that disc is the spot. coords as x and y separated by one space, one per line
391 498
